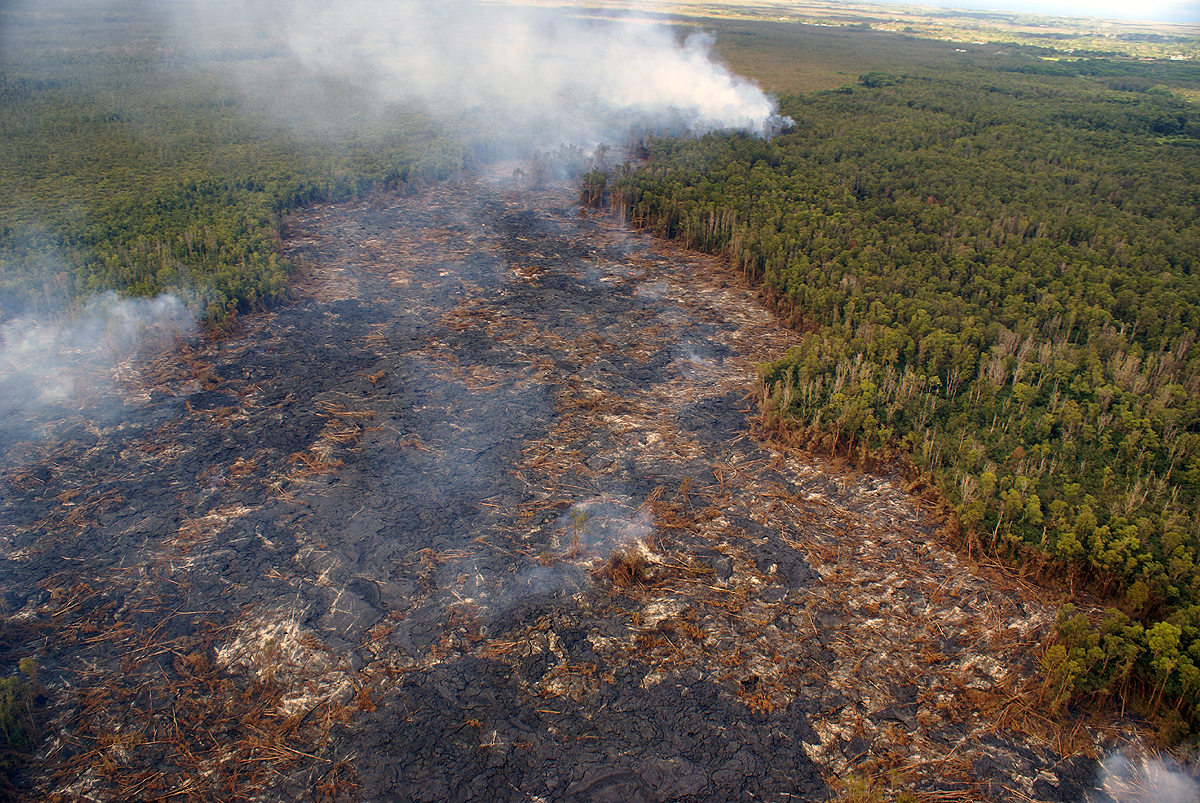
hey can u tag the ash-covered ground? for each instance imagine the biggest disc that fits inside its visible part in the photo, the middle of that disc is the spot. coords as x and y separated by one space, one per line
482 516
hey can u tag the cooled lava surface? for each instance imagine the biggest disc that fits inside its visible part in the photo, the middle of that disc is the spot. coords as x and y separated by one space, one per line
481 515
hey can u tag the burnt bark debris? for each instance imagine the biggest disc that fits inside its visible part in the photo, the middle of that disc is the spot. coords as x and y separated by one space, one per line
480 516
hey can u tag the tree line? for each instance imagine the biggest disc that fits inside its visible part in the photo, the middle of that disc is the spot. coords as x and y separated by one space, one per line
993 273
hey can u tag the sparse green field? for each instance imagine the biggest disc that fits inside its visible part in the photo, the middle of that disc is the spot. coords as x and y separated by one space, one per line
804 47
815 50
1093 36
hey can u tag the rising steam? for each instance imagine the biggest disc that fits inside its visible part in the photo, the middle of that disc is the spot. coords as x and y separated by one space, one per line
558 71
44 363
1146 779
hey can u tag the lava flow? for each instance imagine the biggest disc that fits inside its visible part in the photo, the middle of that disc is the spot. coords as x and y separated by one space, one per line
481 515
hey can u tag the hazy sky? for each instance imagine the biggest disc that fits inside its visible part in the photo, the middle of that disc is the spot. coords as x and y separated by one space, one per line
1157 10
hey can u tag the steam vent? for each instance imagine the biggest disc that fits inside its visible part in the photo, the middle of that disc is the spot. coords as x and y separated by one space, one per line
484 515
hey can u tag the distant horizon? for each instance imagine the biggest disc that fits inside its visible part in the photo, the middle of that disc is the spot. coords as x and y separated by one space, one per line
1175 11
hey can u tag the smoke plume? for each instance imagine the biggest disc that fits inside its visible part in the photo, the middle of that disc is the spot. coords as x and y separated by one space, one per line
561 73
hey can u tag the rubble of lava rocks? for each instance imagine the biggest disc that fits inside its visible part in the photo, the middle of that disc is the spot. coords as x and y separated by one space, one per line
481 516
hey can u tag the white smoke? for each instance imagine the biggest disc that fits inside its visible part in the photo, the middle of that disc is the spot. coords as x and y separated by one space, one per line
47 362
605 523
1146 779
563 71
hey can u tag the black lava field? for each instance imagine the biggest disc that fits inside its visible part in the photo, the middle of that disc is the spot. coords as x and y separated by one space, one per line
485 514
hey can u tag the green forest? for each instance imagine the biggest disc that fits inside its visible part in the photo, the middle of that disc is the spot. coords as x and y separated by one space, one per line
995 274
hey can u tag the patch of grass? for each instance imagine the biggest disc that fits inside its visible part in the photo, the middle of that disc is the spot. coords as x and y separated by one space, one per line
18 727
16 700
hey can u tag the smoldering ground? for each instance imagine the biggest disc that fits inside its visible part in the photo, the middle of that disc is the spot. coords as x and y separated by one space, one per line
1134 775
52 366
369 562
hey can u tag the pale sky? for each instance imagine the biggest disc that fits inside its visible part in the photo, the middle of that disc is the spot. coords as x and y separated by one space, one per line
1157 10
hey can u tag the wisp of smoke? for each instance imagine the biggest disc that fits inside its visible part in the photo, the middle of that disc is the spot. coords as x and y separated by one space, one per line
692 361
43 363
1145 780
573 76
584 535
606 523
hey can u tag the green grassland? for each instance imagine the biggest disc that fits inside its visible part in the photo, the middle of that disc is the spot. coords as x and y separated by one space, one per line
825 52
1074 36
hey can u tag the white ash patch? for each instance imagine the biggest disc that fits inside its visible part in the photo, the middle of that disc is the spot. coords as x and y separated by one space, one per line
661 610
275 648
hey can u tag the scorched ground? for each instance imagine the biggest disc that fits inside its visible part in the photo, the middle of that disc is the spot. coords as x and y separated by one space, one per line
482 516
